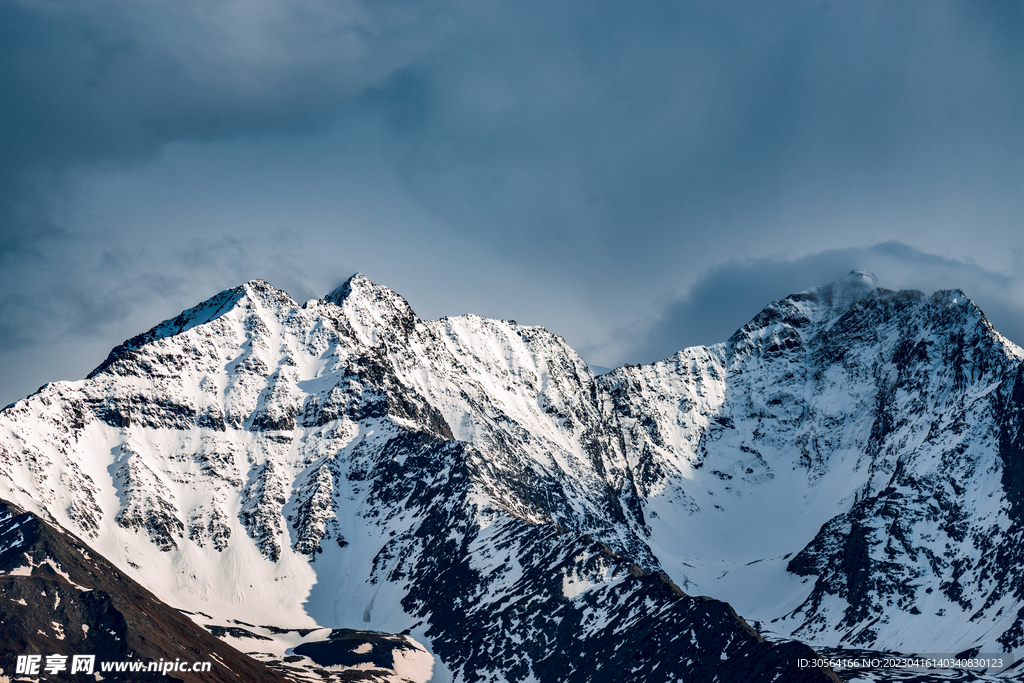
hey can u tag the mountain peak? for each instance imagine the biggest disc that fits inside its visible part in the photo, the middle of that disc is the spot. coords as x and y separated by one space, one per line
859 278
358 282
359 290
816 305
856 285
370 307
257 284
202 313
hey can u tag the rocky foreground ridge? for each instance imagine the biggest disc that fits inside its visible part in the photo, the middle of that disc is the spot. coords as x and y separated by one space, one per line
57 596
845 470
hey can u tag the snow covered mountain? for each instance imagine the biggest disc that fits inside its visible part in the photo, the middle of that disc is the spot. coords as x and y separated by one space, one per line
845 470
345 465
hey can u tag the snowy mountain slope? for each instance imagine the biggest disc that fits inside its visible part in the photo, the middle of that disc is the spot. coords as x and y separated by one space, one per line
346 465
328 655
845 469
57 597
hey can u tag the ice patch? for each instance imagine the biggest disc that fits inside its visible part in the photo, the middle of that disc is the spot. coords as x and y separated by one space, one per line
573 584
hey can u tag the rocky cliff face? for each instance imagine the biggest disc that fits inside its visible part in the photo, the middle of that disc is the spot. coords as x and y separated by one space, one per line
848 457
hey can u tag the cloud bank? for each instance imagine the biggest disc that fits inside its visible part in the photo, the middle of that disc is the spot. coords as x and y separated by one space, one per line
592 167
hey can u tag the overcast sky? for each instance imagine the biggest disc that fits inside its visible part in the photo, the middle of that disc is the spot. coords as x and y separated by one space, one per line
637 177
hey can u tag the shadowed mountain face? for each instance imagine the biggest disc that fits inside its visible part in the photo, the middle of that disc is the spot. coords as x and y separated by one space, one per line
846 463
59 597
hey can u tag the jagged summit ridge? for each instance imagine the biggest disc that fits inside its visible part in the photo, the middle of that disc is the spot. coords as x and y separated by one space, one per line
361 286
816 310
804 309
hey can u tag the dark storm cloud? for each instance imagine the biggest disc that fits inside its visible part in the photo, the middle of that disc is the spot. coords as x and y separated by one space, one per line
575 162
694 122
117 80
730 294
109 83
